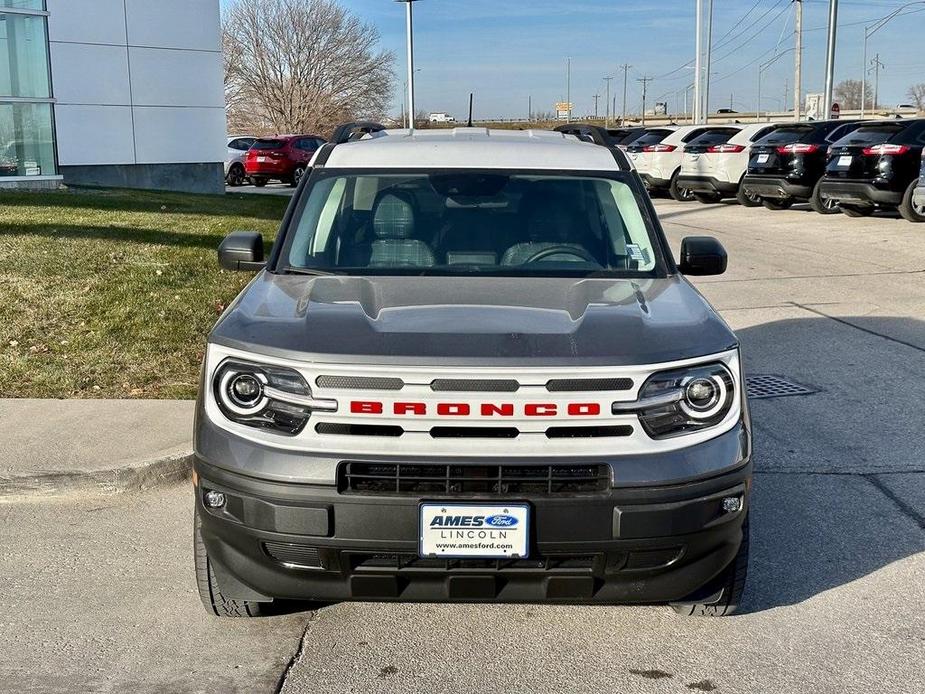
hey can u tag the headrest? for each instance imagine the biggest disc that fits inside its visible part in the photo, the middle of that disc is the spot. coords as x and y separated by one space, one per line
393 218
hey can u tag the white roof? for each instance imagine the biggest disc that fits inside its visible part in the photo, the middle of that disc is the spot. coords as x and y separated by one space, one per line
472 148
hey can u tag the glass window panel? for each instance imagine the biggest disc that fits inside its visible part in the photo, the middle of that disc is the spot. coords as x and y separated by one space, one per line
23 56
26 141
24 4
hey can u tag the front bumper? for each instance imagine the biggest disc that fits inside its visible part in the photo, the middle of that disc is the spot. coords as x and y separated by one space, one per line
859 193
657 543
777 187
707 184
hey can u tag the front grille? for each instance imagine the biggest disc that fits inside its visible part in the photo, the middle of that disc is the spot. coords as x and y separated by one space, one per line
587 385
588 432
470 385
412 563
359 383
332 428
415 479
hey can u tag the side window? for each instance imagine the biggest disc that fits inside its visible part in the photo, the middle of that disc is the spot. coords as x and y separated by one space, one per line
234 144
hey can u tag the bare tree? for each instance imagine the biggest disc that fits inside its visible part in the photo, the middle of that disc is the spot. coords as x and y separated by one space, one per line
301 66
848 94
916 94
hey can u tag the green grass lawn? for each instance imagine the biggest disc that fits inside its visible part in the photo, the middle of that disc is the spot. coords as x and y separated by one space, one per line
111 293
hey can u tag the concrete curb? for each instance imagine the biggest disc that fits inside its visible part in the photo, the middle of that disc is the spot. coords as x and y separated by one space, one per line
140 476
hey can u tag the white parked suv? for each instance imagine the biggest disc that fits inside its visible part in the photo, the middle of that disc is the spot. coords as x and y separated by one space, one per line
715 162
234 159
657 157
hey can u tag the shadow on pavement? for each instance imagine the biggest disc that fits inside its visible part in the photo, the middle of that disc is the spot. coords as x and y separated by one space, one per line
815 531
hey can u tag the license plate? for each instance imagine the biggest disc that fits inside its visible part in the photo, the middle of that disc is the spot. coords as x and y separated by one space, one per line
844 161
261 159
486 531
763 158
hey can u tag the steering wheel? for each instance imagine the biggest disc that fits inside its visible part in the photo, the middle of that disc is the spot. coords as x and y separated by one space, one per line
580 253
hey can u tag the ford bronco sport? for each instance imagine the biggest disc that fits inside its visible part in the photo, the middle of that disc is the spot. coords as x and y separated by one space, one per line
471 370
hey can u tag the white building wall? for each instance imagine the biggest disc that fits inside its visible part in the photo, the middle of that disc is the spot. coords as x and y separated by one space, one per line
137 82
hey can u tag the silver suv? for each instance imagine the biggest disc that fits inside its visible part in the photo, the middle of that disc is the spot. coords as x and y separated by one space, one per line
471 370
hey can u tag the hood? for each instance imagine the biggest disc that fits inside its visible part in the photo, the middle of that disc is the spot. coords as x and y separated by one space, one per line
473 320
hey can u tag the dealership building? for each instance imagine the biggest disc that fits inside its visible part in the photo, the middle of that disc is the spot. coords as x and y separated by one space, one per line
125 93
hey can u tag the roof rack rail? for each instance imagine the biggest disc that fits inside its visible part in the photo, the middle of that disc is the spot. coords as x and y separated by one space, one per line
347 132
587 133
597 135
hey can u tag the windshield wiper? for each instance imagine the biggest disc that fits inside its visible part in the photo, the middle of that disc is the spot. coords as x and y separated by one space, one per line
306 271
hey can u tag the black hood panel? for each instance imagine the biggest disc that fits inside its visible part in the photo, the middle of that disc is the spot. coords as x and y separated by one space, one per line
483 320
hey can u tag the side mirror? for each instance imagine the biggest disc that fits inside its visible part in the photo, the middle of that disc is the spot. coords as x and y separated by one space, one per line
242 250
702 255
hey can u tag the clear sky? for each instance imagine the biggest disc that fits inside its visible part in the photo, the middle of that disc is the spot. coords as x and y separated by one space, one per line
508 50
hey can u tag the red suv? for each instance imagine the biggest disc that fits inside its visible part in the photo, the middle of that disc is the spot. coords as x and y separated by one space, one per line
283 158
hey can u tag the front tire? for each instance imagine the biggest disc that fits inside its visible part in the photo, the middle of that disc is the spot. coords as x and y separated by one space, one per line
209 591
678 193
857 210
820 204
909 211
731 583
776 203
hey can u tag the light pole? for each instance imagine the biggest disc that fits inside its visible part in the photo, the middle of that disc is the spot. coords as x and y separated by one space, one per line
830 58
709 60
568 89
625 67
404 97
608 80
698 68
409 21
798 62
869 31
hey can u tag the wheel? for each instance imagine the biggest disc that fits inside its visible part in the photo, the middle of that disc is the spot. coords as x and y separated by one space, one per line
707 198
258 182
777 203
209 591
236 176
908 210
678 193
820 204
857 210
745 199
297 176
731 584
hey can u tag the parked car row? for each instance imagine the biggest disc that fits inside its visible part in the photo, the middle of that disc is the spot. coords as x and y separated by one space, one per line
854 167
258 160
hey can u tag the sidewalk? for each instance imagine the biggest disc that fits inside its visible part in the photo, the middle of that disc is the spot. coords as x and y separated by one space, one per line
62 446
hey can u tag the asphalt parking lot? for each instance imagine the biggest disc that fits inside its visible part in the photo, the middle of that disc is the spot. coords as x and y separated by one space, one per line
99 594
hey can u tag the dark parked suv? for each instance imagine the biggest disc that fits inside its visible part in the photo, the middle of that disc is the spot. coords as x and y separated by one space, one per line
283 158
786 165
877 165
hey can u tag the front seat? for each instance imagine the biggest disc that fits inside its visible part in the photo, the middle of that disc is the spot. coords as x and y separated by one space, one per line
550 225
393 227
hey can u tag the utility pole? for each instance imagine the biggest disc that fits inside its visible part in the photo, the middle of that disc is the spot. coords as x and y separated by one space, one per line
798 61
706 77
877 65
786 94
830 57
596 97
607 103
645 82
698 68
530 109
568 90
626 68
409 29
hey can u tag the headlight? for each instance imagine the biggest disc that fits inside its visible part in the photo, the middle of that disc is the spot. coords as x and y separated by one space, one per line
683 400
268 397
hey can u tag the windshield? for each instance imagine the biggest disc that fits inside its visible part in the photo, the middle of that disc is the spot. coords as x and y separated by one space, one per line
871 134
465 223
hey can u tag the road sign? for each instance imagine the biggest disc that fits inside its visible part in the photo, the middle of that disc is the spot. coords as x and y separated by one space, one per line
836 110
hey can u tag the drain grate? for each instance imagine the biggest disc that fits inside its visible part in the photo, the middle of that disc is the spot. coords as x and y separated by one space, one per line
768 386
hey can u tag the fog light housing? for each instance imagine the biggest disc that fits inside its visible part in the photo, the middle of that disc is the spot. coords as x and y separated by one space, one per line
732 504
213 499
